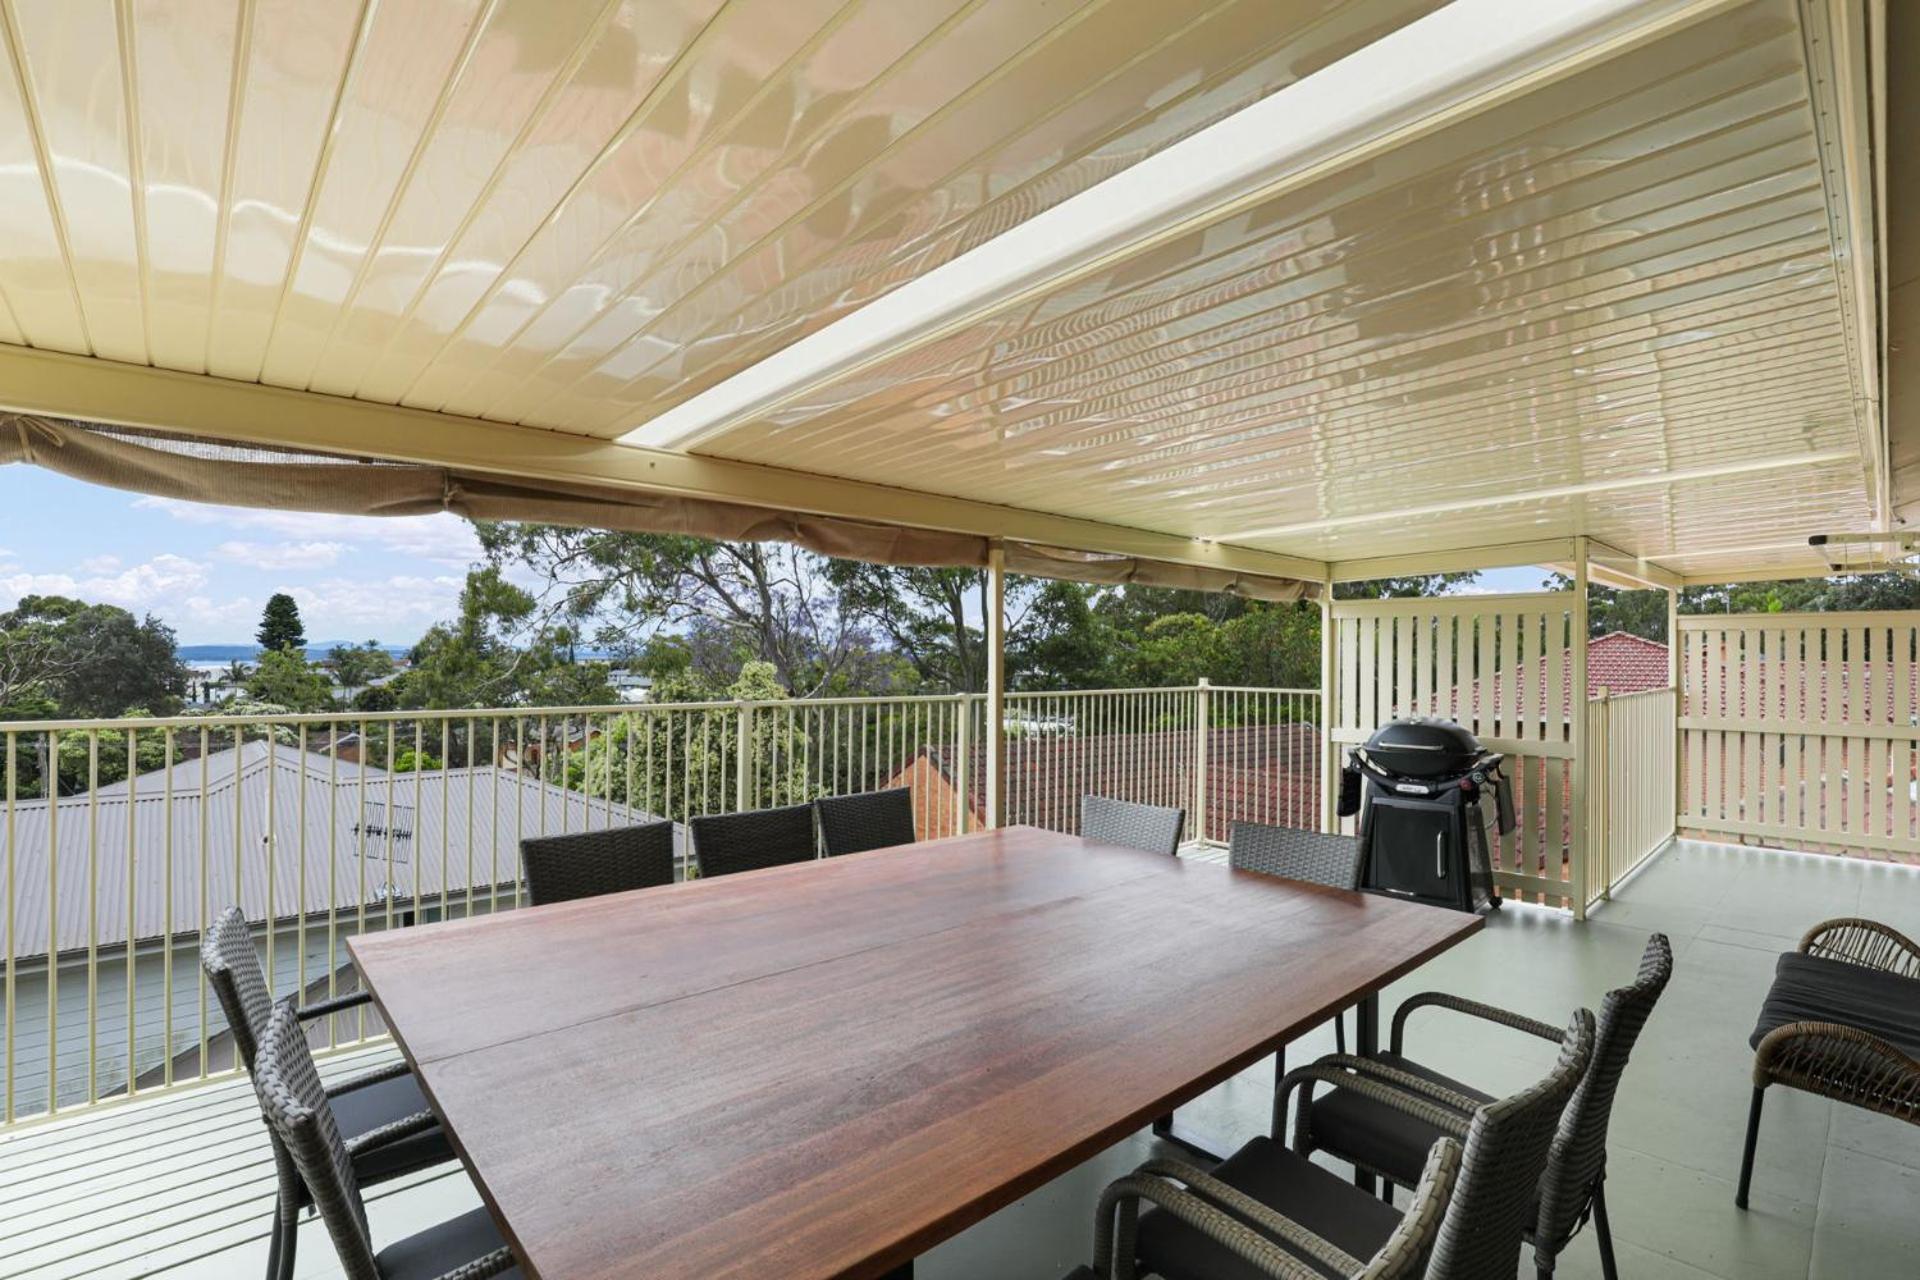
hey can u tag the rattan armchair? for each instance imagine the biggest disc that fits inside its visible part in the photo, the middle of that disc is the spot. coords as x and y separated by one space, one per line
869 820
725 843
1285 1216
1389 1142
589 863
1842 1021
361 1107
1154 828
468 1247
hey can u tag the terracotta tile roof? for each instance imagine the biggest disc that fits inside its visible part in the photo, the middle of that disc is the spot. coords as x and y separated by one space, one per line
1264 773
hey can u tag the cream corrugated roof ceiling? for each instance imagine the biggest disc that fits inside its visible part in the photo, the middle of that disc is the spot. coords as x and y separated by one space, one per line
1622 302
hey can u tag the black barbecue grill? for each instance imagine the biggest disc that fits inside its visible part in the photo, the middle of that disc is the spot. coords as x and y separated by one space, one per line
1417 785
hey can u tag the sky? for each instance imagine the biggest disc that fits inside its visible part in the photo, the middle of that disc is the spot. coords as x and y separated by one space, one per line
207 571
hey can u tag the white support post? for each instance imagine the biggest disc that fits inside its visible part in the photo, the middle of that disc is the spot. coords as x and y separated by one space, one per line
1673 679
743 760
1577 728
1202 720
996 727
1329 695
962 764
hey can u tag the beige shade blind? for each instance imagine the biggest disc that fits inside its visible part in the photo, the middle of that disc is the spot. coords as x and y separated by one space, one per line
197 470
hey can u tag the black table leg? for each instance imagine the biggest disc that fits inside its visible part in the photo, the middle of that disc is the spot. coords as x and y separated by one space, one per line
1366 1039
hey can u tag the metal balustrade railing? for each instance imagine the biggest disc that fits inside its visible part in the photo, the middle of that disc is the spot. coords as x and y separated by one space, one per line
121 839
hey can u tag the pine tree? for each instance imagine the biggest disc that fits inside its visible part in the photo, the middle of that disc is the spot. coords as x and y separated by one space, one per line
280 626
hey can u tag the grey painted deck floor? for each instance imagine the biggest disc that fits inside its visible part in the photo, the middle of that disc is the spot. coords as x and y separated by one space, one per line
1837 1193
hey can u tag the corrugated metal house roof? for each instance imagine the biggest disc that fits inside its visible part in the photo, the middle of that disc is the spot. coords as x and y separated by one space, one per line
342 834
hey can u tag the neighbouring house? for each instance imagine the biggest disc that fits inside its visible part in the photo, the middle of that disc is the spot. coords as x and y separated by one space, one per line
314 848
1264 773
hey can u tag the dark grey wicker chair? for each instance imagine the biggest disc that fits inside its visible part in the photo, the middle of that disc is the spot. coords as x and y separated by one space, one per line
589 863
1382 1140
1842 1020
297 1109
1152 827
724 843
872 820
1320 1226
361 1106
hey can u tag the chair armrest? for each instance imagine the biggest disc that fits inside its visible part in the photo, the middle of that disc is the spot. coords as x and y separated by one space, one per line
1413 1236
1867 943
337 1004
1473 1009
391 1071
491 1264
1261 1214
1118 1217
1436 1105
391 1132
1842 1062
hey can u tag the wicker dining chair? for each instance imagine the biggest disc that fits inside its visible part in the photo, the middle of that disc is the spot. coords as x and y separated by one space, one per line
870 820
1323 1226
467 1247
724 843
1841 1021
1249 1238
1152 827
361 1106
589 863
1380 1139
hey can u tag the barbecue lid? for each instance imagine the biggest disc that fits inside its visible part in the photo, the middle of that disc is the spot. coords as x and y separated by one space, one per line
1423 747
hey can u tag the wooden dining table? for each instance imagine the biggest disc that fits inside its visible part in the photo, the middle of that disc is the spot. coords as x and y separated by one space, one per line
824 1069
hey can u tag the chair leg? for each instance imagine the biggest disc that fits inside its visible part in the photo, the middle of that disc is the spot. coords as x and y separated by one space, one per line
1753 1139
1277 1130
274 1235
1603 1232
1163 1125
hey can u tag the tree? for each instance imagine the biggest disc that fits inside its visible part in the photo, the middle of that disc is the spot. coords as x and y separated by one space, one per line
280 626
86 660
1063 639
498 652
286 679
356 666
1177 649
768 601
921 614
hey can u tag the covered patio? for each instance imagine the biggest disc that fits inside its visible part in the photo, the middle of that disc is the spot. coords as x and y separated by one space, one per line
1831 1197
1217 298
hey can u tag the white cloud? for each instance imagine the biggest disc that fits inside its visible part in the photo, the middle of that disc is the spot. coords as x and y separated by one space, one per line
282 555
351 605
162 580
97 565
441 537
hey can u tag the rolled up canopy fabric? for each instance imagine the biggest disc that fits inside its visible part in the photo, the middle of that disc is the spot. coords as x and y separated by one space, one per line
196 470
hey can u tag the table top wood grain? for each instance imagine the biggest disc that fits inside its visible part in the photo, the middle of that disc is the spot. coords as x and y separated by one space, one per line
822 1070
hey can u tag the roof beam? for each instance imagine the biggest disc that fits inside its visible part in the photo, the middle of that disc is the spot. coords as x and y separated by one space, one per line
95 390
1462 560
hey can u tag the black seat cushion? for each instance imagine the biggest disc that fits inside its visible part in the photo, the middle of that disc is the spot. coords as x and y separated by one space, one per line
1816 989
429 1254
359 1110
1329 1206
1387 1141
